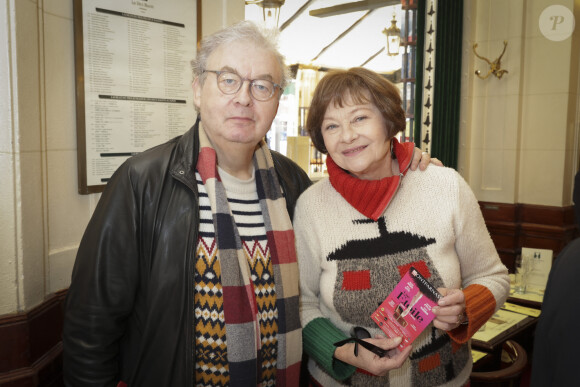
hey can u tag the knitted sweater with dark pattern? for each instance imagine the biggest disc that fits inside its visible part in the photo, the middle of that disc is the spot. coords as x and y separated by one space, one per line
350 263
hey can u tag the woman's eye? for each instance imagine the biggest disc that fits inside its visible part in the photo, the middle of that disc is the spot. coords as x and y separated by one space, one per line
330 127
361 118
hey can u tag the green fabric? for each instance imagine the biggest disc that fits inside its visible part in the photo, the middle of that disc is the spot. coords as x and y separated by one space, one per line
419 58
447 93
318 339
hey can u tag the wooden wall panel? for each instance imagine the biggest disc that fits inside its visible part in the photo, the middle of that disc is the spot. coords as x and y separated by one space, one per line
513 226
31 345
13 343
499 212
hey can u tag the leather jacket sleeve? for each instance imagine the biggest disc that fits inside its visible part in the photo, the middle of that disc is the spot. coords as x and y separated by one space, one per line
104 282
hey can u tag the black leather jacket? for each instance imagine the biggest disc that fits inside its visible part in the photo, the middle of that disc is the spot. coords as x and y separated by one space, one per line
129 309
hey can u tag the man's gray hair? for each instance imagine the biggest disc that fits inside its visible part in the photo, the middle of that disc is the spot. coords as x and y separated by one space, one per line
244 30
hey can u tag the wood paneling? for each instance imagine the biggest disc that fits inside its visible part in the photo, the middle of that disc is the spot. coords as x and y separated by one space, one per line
513 226
31 345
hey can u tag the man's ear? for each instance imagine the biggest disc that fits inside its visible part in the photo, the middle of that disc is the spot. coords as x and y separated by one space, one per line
196 86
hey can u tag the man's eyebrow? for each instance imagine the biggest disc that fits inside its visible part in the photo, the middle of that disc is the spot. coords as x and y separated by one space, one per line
229 69
266 77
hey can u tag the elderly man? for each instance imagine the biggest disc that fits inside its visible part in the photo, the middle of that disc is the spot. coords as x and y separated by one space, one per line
187 271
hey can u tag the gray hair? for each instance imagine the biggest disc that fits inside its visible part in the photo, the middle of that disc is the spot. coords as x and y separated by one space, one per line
244 30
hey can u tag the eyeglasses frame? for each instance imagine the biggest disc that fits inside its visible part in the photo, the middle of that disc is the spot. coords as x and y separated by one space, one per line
251 81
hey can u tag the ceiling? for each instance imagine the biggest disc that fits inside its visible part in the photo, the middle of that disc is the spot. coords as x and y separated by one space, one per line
351 35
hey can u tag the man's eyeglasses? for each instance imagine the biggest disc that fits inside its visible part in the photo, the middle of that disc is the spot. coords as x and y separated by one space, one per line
358 334
231 83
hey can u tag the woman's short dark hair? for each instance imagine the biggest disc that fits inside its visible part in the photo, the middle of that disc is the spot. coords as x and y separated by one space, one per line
362 86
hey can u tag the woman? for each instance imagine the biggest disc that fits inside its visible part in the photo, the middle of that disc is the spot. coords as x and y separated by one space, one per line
360 230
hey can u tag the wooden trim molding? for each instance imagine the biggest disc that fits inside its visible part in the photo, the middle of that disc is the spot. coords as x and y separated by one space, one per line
513 226
31 345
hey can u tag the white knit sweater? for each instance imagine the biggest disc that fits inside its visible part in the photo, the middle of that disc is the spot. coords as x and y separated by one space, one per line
433 221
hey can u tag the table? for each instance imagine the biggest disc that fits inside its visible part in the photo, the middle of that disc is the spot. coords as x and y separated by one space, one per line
506 324
533 296
528 299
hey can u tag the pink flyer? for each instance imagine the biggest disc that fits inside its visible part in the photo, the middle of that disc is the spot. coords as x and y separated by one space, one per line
408 309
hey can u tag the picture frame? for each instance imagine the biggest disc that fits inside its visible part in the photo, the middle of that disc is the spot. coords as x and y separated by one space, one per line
132 80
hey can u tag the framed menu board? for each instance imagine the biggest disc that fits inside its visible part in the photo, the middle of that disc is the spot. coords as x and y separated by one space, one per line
133 80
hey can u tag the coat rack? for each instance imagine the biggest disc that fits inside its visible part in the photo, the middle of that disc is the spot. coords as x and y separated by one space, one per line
494 67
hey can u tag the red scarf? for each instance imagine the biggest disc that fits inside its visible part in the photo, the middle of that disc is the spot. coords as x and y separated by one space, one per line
371 197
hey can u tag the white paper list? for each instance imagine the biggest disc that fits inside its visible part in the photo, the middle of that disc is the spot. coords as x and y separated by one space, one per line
137 78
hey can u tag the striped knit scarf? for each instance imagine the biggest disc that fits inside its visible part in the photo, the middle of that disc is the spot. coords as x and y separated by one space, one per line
240 308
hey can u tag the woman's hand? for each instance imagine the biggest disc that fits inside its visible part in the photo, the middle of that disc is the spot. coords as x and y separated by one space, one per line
423 159
450 311
370 362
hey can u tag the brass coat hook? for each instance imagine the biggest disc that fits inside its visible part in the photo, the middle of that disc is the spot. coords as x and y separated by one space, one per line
494 67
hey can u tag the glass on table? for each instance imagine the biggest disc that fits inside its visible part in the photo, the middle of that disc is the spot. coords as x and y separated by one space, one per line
522 269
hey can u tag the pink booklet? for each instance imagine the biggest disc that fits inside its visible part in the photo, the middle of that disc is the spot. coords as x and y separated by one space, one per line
408 309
